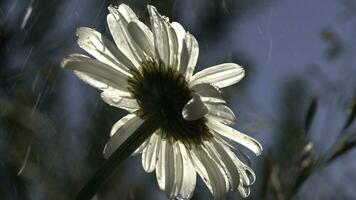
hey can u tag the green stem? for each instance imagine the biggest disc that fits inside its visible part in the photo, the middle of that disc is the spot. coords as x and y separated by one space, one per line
124 151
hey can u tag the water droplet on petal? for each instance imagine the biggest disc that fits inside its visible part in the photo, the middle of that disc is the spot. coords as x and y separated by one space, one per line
155 25
179 197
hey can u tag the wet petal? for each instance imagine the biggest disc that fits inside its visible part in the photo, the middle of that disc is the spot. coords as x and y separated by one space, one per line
223 170
185 175
165 167
102 49
143 36
98 71
119 99
221 113
151 153
208 93
235 135
183 59
231 168
179 31
121 43
194 109
140 148
193 52
222 75
127 13
118 24
173 47
161 33
188 55
120 132
208 169
180 34
247 176
91 81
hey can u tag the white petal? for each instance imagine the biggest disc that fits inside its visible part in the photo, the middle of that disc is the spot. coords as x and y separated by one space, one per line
183 58
194 109
120 123
169 170
119 99
135 49
208 170
178 171
208 93
220 75
112 93
120 132
161 34
160 175
97 71
220 113
231 169
143 36
140 148
150 154
188 55
235 135
118 24
102 49
247 176
179 30
193 52
185 175
127 12
180 34
223 170
199 167
165 167
120 41
91 81
173 46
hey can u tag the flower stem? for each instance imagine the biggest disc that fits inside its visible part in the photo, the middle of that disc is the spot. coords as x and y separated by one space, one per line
124 151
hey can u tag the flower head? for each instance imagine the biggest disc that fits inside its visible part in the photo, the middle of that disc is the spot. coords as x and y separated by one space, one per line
150 71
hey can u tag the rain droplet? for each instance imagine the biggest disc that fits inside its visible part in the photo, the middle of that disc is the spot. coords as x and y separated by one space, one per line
116 100
155 25
27 15
179 197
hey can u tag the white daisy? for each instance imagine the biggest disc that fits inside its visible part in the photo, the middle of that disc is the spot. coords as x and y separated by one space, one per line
151 70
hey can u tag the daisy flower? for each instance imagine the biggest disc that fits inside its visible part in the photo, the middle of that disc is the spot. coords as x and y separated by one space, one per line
150 70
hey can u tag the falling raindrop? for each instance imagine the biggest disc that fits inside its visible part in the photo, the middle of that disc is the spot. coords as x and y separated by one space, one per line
25 161
27 16
225 6
27 58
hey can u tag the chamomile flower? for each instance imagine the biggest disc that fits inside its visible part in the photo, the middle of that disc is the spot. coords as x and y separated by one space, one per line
150 70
